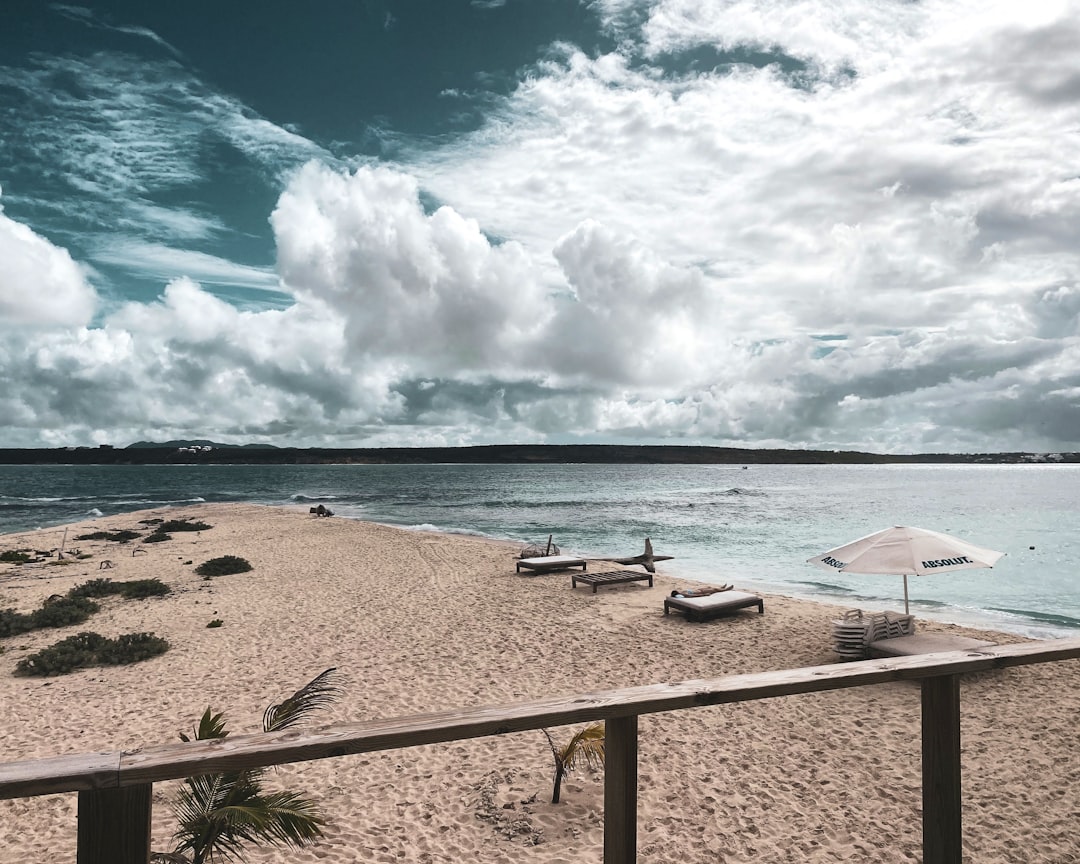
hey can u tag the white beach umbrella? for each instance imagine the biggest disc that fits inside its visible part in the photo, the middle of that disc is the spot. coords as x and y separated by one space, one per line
905 552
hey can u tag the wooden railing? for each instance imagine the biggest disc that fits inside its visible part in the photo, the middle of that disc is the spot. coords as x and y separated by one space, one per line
115 788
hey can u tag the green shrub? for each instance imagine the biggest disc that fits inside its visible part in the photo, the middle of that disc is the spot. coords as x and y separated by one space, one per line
133 589
131 648
116 536
12 623
217 622
176 525
91 649
63 611
223 566
95 588
14 556
157 537
138 589
64 656
151 521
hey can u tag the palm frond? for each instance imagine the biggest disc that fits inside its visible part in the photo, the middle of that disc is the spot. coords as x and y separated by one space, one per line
211 725
588 745
206 808
320 691
294 819
219 814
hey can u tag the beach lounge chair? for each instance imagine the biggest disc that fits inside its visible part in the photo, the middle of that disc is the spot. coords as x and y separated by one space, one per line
548 563
610 577
713 605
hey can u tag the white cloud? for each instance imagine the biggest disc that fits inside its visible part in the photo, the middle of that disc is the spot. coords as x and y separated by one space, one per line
40 284
429 291
869 243
156 263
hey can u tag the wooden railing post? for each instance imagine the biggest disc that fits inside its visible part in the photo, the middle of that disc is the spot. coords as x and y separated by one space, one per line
942 830
114 825
620 790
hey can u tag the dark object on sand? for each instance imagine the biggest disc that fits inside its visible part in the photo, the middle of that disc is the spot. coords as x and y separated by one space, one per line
226 565
648 560
321 511
535 550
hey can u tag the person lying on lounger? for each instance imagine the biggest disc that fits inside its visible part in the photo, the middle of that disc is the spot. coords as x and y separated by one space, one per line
701 592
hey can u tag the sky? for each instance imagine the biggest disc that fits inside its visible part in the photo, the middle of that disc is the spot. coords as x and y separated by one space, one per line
369 223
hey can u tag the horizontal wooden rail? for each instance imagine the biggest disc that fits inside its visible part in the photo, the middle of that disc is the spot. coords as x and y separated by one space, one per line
90 772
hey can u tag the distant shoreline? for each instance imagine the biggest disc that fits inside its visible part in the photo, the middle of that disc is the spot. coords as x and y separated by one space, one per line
526 454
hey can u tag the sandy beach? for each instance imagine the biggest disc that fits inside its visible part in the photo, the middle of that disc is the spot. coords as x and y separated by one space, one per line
421 622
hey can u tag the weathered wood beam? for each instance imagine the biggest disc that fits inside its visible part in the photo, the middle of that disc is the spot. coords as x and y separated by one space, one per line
942 828
173 761
620 790
114 826
79 773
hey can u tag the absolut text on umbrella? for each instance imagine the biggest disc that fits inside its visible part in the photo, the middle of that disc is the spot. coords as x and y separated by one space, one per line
929 565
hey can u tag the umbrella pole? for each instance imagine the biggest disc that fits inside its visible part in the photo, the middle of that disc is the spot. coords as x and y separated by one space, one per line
906 612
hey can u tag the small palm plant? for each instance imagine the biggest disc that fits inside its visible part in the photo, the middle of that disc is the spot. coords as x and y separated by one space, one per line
218 814
587 744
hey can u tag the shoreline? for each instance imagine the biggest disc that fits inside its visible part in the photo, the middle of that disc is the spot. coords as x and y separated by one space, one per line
980 619
421 622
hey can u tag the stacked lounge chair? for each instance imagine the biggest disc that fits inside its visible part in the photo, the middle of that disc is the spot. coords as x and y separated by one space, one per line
855 630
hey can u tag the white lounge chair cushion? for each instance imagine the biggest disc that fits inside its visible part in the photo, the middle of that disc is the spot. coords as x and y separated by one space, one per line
720 598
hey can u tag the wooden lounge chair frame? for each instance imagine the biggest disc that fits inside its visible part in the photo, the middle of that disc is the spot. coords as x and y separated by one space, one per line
549 563
611 577
718 605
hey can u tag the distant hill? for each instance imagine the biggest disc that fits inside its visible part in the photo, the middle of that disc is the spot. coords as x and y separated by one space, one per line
192 453
172 445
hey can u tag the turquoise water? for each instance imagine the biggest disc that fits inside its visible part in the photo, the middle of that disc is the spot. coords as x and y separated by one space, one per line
753 526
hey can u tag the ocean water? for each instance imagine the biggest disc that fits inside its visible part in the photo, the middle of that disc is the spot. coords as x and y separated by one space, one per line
752 526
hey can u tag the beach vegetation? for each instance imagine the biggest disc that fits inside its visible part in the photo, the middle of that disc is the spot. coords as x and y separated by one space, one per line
219 814
155 521
217 622
13 623
95 588
14 556
77 605
133 589
91 649
157 537
586 745
177 525
114 536
226 565
60 611
139 589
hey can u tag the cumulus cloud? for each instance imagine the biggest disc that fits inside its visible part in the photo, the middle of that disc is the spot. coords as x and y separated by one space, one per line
752 222
40 284
428 290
